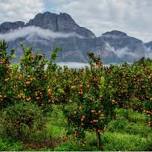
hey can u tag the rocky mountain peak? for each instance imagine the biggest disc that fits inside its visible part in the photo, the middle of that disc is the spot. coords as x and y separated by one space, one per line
62 22
115 33
149 45
45 20
8 26
56 22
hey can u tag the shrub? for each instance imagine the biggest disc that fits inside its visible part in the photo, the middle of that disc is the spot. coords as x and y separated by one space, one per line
21 120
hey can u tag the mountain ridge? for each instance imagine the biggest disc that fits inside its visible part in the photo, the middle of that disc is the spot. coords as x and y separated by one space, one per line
49 30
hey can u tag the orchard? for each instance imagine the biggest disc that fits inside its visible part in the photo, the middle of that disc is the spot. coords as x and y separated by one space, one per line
88 97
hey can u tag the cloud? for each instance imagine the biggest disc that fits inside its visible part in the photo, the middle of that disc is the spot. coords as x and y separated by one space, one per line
148 52
13 10
131 16
74 65
32 31
125 52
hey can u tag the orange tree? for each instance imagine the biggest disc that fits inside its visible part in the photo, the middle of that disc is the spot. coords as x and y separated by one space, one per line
6 80
93 107
146 87
20 116
148 111
120 84
32 79
131 85
62 82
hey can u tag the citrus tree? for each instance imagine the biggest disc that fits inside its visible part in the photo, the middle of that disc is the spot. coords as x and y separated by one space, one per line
32 79
93 108
7 94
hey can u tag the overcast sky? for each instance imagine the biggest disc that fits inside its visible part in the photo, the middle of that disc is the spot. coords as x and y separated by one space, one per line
131 16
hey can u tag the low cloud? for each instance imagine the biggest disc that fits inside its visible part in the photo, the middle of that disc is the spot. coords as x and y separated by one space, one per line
124 52
32 31
75 65
148 52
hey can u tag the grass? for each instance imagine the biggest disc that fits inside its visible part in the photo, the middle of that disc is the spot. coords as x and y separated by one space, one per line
131 116
124 141
10 145
56 124
128 132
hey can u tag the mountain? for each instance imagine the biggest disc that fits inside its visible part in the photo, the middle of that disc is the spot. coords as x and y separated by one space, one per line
59 23
127 48
149 45
46 31
148 52
8 26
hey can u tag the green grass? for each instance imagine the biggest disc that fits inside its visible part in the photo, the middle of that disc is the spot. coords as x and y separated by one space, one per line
124 141
56 124
55 131
123 126
131 115
10 145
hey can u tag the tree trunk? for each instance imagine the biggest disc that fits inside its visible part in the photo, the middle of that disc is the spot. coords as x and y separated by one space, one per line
99 144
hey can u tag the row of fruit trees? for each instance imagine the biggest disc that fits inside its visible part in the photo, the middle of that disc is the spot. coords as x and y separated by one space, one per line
88 97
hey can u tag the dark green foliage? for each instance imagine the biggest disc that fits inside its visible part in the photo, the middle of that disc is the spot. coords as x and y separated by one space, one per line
21 120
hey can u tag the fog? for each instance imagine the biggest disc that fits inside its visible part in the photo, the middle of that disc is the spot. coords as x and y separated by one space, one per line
32 30
75 65
78 65
123 52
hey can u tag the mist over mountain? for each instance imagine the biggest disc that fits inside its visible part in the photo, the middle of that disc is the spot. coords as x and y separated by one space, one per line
46 31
